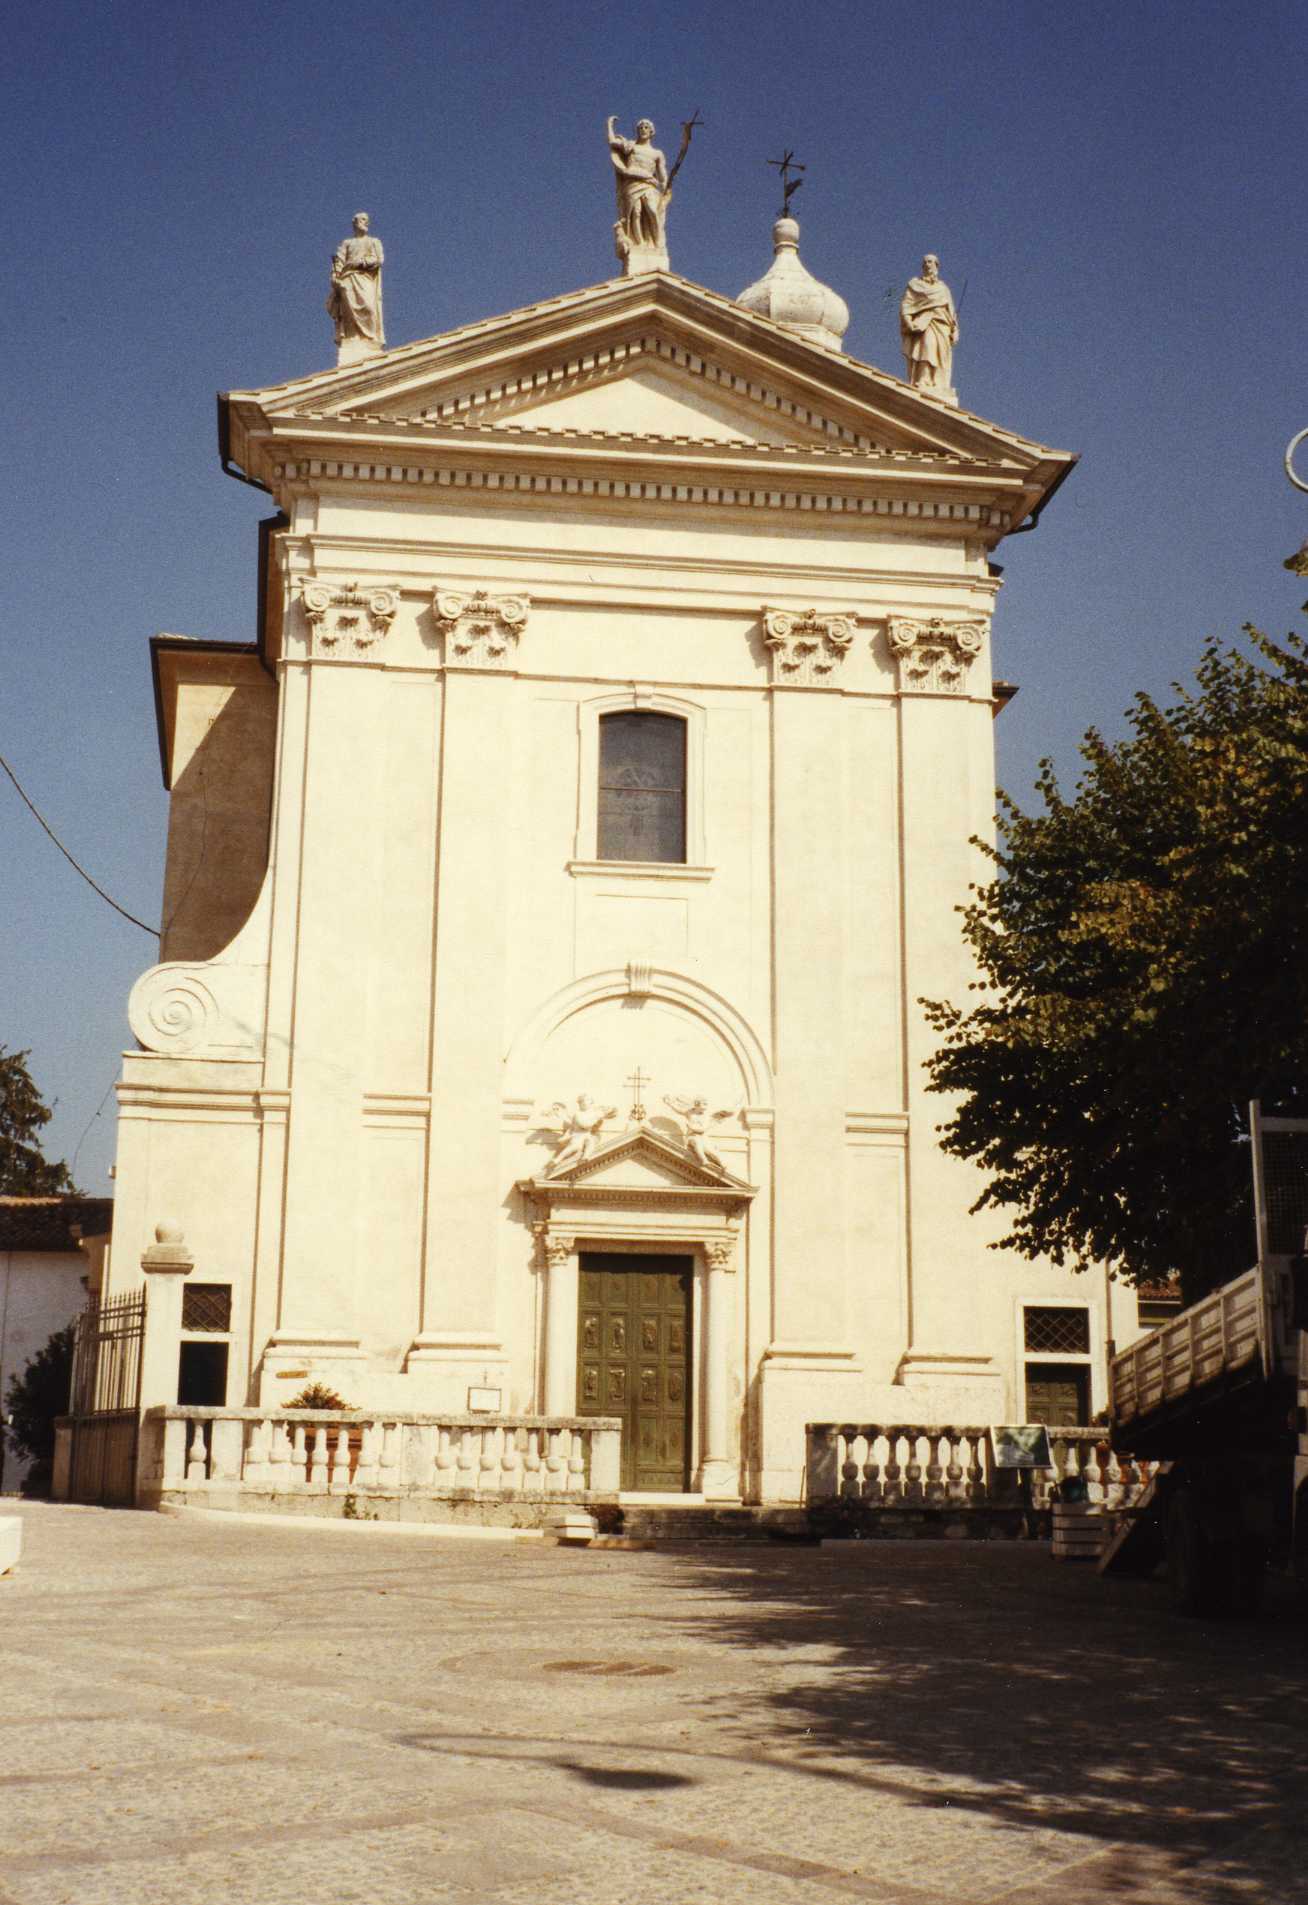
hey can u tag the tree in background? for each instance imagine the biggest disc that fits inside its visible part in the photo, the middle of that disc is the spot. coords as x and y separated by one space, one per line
32 1402
1144 961
23 1115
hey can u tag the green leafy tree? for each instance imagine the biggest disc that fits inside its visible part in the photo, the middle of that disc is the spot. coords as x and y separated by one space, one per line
24 1172
32 1402
1143 953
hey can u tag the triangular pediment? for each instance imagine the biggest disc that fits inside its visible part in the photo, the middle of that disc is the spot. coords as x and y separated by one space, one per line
642 1161
658 401
653 359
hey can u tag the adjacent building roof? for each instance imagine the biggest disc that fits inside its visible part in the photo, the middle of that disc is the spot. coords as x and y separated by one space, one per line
53 1223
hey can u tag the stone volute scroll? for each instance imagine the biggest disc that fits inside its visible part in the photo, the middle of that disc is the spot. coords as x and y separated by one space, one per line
354 302
480 630
934 656
347 619
806 648
928 330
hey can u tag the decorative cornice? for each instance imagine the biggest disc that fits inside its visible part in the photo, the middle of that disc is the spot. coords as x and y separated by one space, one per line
934 656
345 619
806 648
763 495
480 630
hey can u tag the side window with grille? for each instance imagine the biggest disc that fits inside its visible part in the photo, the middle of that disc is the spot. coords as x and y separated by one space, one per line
1057 1361
642 787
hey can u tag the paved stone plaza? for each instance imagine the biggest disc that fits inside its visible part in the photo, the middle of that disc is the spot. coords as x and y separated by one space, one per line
196 1710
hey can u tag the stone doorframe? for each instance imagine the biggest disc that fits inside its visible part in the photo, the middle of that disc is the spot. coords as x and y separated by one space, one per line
705 1226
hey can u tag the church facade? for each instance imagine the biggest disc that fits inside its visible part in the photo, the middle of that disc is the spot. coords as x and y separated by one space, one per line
552 885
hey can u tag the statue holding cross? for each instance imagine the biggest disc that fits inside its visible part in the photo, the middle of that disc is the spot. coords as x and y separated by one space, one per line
644 184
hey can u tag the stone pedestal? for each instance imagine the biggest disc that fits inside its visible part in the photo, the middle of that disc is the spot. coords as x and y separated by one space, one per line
165 1265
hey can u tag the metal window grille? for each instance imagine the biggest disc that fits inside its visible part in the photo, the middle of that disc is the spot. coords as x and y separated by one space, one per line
207 1306
1054 1330
1285 1177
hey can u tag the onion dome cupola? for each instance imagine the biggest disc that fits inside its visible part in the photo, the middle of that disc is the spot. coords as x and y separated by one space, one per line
791 296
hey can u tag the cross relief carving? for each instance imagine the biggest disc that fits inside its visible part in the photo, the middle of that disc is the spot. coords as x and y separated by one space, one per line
480 630
806 648
934 656
345 618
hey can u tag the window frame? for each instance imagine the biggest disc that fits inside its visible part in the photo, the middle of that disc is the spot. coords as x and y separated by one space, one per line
586 838
1091 1360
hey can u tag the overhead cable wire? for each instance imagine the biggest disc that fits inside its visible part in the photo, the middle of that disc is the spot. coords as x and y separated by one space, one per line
76 865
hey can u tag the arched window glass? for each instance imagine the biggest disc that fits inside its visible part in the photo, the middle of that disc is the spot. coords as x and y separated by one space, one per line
642 787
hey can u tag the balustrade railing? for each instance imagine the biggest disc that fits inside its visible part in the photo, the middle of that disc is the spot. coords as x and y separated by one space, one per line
304 1453
907 1465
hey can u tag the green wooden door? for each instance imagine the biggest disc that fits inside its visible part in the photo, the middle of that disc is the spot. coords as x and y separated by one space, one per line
1058 1394
633 1361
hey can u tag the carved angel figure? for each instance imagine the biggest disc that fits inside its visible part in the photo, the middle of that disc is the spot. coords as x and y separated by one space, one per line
580 1134
696 1115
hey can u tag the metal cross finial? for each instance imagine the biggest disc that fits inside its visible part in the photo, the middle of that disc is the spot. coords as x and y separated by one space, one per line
787 164
637 1081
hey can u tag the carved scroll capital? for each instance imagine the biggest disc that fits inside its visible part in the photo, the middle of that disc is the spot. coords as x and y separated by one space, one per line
806 648
480 630
347 618
720 1253
555 1249
934 655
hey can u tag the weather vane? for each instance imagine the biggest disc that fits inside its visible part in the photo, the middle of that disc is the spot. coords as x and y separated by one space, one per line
787 164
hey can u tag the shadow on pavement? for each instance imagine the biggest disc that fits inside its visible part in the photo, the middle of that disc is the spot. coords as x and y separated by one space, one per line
1029 1690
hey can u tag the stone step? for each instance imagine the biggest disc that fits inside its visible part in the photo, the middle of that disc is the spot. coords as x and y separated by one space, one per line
700 1522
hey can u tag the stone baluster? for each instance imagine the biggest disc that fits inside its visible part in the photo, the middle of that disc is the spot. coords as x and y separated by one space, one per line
556 1461
365 1472
894 1488
281 1473
445 1456
532 1479
256 1470
197 1464
488 1476
511 1463
1094 1474
391 1465
872 1467
977 1478
935 1467
340 1483
318 1460
955 1486
849 1467
913 1469
468 1450
577 1452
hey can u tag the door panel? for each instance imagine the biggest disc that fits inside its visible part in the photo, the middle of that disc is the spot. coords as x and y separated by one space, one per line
1058 1394
633 1361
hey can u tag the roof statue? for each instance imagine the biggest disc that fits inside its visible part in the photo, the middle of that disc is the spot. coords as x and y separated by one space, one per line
354 302
928 329
644 183
788 293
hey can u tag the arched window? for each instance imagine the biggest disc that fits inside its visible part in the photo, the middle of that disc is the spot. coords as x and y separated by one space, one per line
642 786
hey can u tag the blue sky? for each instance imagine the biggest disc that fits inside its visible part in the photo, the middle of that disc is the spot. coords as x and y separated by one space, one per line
1115 193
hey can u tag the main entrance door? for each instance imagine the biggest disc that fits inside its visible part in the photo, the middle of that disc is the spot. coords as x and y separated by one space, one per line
633 1361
